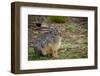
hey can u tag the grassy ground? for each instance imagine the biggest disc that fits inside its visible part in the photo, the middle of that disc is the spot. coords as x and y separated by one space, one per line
74 44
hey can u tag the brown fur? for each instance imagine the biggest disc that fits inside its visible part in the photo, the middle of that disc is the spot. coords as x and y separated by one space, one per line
52 48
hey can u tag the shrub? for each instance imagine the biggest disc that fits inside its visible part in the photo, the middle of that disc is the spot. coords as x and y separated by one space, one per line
57 19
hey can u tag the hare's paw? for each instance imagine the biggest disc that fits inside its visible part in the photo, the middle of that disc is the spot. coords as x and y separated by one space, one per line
44 52
55 55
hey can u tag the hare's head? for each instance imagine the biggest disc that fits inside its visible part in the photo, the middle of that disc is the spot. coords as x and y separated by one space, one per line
55 30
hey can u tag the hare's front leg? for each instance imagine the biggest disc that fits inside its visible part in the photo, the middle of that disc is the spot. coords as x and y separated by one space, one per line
55 54
44 52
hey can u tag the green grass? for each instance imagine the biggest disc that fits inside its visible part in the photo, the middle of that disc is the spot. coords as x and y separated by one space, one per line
71 27
33 56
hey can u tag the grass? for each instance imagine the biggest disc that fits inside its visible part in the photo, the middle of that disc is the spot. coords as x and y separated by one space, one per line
71 27
33 56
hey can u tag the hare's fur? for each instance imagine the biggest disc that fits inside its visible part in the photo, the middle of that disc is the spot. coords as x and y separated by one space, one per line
48 43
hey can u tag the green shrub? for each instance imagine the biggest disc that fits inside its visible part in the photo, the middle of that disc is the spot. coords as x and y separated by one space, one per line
57 19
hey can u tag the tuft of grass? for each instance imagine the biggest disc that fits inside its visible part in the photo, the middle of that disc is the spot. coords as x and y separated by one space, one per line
33 56
71 27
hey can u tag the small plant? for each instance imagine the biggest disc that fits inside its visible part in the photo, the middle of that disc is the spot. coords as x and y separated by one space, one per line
57 19
71 27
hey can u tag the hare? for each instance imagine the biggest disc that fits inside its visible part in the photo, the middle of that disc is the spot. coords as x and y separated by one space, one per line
48 42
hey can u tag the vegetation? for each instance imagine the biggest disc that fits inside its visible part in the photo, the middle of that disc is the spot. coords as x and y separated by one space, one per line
57 19
71 27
